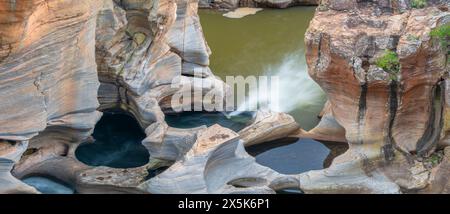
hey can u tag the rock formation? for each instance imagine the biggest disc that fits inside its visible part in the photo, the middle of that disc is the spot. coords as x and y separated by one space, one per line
48 75
206 168
62 62
392 119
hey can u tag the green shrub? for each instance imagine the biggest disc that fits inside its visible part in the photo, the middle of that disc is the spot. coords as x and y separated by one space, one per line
418 3
389 62
442 33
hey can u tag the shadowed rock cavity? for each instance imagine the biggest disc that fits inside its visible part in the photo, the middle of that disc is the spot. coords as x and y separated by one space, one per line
116 142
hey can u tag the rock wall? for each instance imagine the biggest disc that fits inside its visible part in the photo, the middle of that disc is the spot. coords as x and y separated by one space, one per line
392 120
48 74
62 62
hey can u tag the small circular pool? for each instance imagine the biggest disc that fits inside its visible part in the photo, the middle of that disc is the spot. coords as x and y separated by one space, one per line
291 155
117 143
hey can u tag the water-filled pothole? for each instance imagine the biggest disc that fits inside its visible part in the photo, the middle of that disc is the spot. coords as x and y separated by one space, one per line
291 155
188 120
117 143
48 185
290 191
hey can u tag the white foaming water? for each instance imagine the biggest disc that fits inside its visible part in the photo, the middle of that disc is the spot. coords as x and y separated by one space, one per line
296 89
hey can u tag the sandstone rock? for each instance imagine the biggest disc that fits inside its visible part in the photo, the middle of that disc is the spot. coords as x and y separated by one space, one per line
10 184
387 119
131 52
242 12
445 133
12 150
268 126
328 128
48 77
381 5
50 157
10 153
107 180
174 143
439 178
216 163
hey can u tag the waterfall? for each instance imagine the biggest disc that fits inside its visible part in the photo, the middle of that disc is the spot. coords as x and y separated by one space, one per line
295 88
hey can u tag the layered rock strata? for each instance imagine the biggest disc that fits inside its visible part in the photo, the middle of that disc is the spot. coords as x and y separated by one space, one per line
48 77
392 120
62 62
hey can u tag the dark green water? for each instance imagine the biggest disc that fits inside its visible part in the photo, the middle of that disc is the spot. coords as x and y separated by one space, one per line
270 43
188 120
291 155
117 143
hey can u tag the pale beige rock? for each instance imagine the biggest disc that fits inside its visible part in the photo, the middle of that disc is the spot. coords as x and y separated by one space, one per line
216 163
10 184
242 12
48 77
268 126
328 128
105 180
48 74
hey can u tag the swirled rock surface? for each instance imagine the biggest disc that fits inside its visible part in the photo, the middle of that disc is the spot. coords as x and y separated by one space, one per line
62 62
48 74
391 121
48 77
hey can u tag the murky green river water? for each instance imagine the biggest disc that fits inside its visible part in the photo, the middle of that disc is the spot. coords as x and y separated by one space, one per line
269 43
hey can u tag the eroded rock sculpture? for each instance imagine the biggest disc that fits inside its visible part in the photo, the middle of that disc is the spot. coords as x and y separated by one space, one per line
62 62
73 61
392 119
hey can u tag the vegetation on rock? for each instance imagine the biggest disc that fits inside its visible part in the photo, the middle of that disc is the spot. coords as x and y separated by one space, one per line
418 3
442 33
389 62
